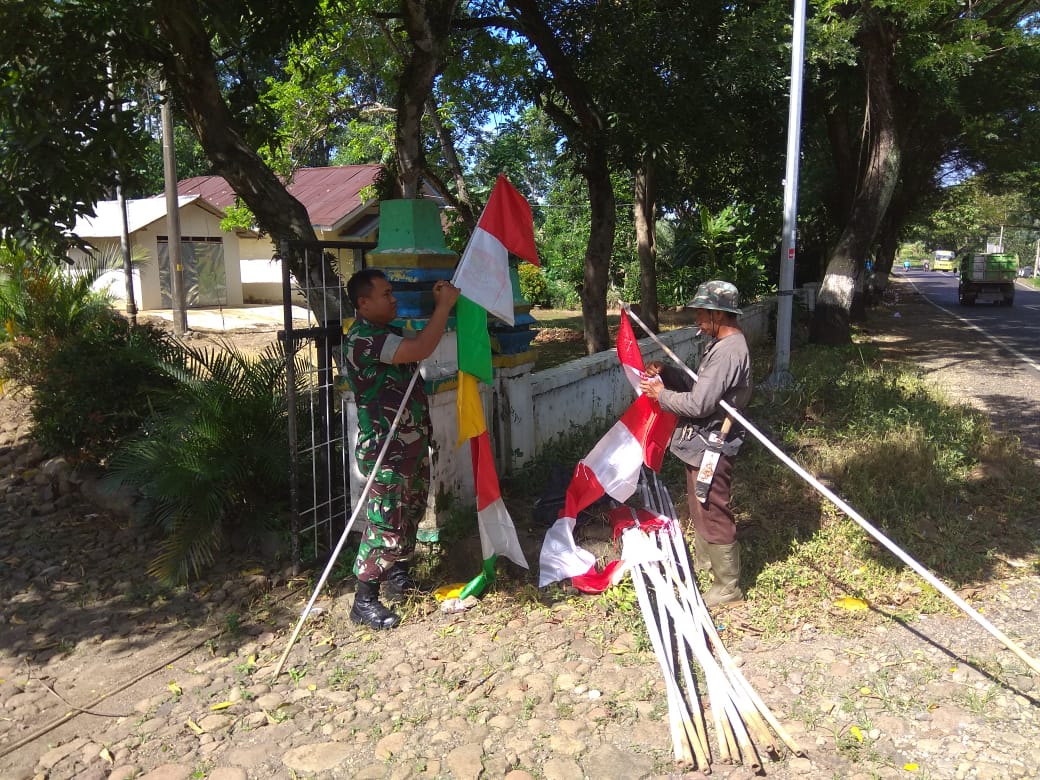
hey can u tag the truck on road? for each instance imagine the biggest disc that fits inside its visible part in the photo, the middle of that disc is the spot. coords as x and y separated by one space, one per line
987 277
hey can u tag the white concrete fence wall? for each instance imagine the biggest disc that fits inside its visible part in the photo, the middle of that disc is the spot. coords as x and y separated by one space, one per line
593 389
531 412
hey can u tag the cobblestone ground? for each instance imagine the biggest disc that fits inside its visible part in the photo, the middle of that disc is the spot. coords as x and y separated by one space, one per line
103 675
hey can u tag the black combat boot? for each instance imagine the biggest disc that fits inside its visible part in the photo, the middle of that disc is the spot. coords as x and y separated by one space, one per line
368 611
399 582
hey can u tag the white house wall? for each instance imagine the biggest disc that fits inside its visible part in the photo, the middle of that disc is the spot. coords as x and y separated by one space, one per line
195 221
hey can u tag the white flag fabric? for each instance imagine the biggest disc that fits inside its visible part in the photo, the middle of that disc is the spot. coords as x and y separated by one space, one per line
497 532
483 275
561 558
505 226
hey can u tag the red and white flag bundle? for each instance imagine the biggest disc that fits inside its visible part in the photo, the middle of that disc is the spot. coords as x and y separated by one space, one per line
505 226
611 468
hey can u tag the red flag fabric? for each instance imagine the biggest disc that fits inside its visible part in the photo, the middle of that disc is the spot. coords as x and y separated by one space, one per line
624 517
483 272
594 581
628 352
497 532
507 217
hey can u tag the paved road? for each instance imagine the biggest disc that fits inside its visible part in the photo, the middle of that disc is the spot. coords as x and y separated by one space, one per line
1016 327
986 356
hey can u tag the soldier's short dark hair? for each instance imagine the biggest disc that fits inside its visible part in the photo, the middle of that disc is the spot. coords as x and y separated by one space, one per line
360 284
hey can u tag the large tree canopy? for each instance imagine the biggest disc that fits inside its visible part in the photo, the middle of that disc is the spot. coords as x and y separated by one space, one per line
63 138
905 90
684 101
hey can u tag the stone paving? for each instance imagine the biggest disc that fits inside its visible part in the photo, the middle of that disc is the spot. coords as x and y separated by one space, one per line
105 675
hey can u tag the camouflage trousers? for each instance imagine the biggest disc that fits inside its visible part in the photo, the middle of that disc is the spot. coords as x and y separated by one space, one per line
396 505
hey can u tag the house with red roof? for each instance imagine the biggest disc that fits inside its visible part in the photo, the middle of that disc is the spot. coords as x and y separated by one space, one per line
229 268
341 203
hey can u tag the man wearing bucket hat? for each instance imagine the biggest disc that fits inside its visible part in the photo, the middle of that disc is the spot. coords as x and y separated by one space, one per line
724 374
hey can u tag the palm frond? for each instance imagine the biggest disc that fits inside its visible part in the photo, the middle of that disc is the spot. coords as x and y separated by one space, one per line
217 453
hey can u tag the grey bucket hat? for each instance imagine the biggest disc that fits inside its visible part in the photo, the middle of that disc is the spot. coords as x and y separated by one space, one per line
718 296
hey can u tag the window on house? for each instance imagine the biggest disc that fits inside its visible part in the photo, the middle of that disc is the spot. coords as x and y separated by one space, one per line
203 274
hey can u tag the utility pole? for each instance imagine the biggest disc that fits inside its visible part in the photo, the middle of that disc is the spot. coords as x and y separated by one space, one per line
1036 260
173 216
781 376
124 245
124 226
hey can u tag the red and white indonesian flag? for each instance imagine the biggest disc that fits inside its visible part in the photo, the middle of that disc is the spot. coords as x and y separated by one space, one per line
628 352
497 532
611 468
504 227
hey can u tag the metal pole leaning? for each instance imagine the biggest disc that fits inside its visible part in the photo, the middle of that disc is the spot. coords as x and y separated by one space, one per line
892 547
350 523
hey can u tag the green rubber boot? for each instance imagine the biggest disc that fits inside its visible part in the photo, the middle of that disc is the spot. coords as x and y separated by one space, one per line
725 568
701 559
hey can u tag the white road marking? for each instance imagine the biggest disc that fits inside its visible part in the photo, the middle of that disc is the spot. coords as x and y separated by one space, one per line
1024 358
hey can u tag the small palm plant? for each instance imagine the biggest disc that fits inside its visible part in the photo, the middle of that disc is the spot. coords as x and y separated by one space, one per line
42 298
214 461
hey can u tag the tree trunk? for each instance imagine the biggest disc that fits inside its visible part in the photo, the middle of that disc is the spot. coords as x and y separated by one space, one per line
887 248
192 71
461 200
598 253
586 129
875 187
645 211
428 24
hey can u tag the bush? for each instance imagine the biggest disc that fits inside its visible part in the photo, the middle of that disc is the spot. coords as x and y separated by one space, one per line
214 461
40 297
533 285
94 388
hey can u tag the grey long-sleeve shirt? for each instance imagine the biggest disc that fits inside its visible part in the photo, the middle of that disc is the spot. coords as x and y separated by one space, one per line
724 374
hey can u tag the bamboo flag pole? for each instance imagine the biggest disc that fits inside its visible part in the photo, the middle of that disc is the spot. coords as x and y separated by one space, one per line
727 660
669 669
723 714
892 547
667 540
675 700
699 738
750 703
357 510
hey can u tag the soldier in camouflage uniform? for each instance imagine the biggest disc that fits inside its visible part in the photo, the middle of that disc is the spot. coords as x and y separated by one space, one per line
379 362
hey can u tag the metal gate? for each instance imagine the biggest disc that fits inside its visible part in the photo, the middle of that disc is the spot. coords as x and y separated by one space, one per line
319 478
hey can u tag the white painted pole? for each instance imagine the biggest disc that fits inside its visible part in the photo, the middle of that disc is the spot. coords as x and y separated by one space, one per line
781 376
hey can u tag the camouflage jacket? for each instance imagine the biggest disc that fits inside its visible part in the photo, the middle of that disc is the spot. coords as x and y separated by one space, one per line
379 385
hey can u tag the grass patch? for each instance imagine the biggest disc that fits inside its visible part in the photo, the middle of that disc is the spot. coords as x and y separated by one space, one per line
561 333
929 473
